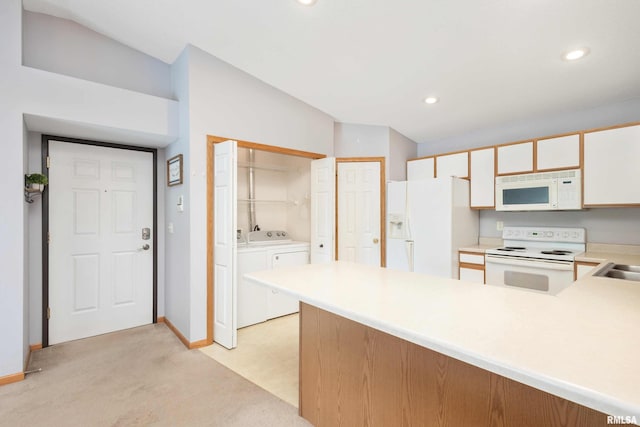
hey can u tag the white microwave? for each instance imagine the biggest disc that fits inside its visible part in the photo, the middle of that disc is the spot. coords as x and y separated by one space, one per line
546 191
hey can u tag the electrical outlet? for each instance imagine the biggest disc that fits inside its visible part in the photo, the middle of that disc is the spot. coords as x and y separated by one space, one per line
499 225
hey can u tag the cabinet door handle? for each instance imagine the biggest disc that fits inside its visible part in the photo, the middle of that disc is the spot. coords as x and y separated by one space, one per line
321 245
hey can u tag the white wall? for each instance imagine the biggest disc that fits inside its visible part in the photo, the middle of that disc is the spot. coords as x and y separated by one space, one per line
29 91
225 101
401 149
65 47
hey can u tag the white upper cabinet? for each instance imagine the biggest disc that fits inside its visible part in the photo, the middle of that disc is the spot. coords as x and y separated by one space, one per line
611 169
456 164
558 153
482 178
515 158
421 169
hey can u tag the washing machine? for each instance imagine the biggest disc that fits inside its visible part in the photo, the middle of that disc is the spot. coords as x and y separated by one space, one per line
266 250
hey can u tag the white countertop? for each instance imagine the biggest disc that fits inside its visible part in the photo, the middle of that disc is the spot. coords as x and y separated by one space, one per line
480 249
582 344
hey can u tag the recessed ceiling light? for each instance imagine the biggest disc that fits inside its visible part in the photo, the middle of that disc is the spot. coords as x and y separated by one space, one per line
431 100
572 55
307 2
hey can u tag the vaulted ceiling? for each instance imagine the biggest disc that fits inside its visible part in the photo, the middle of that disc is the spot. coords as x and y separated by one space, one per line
374 61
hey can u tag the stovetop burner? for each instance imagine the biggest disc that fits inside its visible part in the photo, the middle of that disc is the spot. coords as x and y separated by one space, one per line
556 252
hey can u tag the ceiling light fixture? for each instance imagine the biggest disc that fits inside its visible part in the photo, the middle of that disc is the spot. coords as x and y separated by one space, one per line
431 100
307 2
575 54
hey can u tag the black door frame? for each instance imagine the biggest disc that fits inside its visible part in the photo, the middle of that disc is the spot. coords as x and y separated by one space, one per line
45 222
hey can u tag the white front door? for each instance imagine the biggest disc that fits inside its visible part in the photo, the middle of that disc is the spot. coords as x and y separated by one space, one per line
100 267
225 174
323 210
359 230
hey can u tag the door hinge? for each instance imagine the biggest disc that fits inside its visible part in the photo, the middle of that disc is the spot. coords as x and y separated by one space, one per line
48 237
48 312
48 162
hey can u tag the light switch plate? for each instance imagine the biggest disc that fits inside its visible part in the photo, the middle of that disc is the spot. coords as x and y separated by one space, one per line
499 225
180 204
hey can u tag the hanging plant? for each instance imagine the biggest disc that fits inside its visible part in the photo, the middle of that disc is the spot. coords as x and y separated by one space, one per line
36 181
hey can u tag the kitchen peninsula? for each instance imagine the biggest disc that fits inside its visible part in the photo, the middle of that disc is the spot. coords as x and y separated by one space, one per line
382 347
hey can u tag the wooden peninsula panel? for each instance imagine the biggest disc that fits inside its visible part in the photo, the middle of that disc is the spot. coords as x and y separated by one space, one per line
354 375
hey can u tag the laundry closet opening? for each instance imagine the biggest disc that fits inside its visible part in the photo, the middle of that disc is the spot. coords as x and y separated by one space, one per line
259 218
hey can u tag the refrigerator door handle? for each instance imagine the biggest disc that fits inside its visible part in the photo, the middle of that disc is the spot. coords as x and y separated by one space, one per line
409 248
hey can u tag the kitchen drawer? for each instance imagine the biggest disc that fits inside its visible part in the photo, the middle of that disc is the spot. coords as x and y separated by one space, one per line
471 258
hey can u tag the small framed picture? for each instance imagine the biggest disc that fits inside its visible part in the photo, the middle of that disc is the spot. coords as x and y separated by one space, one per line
174 170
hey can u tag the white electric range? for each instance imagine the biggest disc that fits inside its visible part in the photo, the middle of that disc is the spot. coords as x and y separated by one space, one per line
539 259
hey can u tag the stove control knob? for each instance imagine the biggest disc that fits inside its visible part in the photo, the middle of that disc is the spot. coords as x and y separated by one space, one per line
284 233
549 234
269 234
278 234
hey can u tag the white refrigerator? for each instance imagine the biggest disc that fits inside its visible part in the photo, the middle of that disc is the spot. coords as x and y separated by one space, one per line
427 222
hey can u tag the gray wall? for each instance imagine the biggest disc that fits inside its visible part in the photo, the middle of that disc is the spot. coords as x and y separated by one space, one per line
219 99
401 149
65 47
603 225
26 266
355 140
537 127
177 272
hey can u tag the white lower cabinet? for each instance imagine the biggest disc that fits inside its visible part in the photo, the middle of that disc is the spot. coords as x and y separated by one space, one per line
471 267
277 303
583 268
252 299
471 275
257 303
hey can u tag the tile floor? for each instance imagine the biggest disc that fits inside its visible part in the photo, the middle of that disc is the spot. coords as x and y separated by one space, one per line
267 355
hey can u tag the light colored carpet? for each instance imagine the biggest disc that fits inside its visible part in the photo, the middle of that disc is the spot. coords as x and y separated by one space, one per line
141 376
267 355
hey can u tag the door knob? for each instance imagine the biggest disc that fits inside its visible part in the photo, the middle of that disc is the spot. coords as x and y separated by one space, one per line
144 247
321 245
375 240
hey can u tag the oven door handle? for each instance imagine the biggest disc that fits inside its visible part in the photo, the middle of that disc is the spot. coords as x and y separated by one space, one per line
549 264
